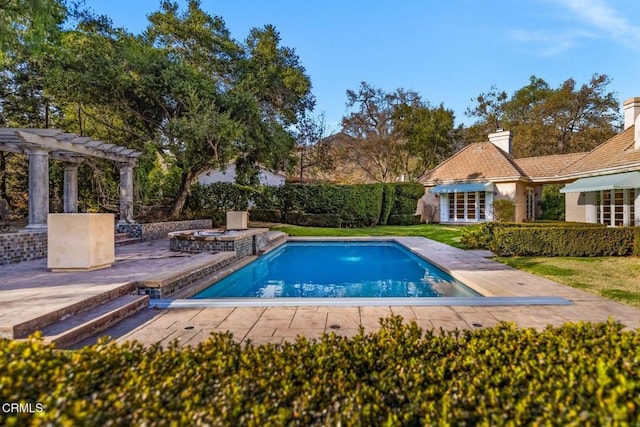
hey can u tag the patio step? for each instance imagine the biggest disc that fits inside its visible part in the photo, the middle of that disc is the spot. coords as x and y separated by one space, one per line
73 329
22 330
122 239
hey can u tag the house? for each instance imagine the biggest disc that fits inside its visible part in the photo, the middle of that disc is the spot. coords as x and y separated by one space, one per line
601 186
228 174
463 188
605 185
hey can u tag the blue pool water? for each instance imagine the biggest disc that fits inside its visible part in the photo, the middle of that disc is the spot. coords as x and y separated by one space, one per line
338 270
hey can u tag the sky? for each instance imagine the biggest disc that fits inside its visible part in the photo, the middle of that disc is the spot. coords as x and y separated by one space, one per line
449 51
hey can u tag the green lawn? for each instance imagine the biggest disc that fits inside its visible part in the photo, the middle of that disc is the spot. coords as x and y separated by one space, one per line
442 233
616 278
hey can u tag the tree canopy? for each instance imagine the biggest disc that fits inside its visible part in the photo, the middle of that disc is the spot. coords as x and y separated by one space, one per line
396 134
184 90
544 120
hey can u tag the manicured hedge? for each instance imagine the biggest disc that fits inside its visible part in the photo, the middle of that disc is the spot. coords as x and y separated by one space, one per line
578 374
265 215
480 236
406 197
562 241
313 220
403 220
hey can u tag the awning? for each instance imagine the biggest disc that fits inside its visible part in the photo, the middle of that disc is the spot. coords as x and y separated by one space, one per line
606 182
463 188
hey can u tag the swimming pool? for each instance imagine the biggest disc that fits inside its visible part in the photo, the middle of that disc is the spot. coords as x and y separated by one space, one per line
338 270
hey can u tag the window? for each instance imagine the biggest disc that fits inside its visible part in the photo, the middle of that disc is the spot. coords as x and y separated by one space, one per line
616 207
530 204
468 206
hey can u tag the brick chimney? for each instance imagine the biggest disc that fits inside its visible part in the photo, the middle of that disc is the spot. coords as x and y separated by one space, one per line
502 139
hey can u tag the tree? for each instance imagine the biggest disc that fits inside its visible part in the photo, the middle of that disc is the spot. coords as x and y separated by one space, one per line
313 146
28 24
396 134
546 121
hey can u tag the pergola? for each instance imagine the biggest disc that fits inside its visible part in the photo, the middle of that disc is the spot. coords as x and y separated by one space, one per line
42 144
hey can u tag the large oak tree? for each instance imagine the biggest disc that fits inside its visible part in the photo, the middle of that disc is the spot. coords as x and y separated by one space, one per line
544 120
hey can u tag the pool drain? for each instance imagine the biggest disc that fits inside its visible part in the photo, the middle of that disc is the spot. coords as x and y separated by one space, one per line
189 327
334 327
477 325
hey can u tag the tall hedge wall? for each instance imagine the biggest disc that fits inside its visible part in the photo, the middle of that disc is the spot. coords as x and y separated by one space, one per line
578 374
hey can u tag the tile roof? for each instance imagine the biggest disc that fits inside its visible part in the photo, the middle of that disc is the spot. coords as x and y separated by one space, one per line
614 155
477 161
548 166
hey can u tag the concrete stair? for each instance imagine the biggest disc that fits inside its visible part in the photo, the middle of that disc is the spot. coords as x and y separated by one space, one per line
78 327
122 239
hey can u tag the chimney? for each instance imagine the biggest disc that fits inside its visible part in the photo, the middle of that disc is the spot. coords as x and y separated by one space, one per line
502 139
631 111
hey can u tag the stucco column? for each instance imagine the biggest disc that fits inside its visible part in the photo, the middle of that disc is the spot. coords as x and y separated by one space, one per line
38 189
70 191
126 193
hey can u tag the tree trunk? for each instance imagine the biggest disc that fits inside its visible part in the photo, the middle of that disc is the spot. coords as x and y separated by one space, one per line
187 179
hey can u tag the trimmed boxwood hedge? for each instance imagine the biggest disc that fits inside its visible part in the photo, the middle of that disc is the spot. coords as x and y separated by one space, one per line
313 220
265 215
577 374
562 241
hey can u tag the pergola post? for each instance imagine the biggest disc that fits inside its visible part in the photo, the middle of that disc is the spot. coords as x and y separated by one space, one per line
70 190
126 192
38 188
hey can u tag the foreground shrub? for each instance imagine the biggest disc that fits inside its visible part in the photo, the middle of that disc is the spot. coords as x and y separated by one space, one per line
578 374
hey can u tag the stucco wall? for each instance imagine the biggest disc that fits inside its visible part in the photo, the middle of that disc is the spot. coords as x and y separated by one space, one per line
575 207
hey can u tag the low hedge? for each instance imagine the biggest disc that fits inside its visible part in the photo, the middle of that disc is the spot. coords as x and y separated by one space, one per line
577 374
313 220
403 219
479 236
265 215
562 241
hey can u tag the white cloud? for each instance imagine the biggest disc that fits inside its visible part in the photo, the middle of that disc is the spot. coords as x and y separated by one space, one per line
604 17
550 43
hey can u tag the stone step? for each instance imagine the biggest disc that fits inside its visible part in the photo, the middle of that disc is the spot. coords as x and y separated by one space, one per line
126 241
73 329
22 330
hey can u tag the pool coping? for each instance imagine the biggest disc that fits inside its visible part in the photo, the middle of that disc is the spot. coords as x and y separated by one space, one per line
445 257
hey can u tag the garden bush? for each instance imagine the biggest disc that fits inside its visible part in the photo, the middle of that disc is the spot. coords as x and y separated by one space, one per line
479 236
265 215
577 374
404 220
388 202
220 196
562 241
313 220
504 210
406 197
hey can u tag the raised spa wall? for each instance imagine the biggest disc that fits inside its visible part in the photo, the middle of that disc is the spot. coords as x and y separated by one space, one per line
243 242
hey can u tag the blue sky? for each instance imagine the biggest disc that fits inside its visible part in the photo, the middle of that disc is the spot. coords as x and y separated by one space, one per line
449 51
